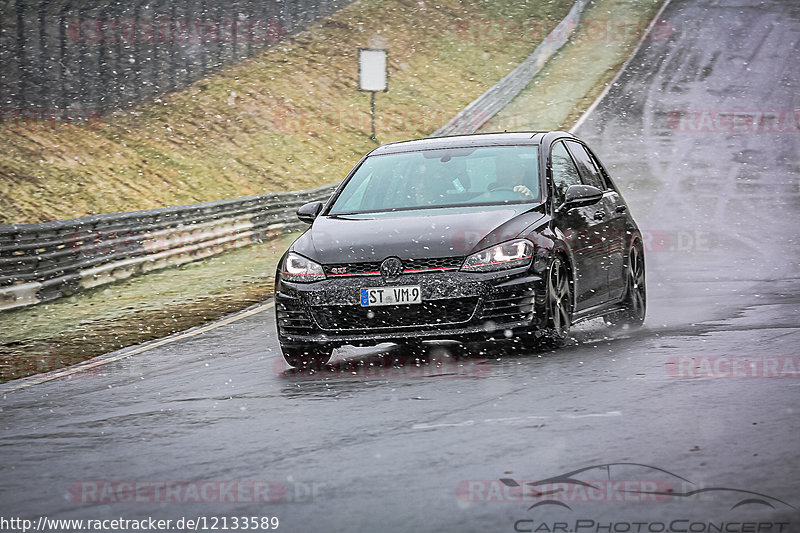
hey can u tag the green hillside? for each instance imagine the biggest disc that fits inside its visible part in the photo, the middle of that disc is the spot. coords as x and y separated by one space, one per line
289 118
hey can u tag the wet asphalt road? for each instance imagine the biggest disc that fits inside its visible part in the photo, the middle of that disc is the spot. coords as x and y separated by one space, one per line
397 451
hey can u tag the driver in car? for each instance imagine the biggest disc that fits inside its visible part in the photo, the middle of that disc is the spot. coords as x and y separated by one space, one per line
510 176
425 187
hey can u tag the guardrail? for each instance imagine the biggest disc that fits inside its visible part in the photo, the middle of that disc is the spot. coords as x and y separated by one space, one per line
479 111
41 262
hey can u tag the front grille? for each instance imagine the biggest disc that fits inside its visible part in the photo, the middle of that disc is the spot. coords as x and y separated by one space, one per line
441 263
410 266
432 313
508 305
292 318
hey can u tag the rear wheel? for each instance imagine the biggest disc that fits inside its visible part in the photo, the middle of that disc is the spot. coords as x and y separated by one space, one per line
558 304
635 299
311 356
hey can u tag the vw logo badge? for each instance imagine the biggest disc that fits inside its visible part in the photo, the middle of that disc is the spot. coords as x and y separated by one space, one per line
391 268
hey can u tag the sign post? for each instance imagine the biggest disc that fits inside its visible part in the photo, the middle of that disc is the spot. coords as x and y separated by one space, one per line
372 77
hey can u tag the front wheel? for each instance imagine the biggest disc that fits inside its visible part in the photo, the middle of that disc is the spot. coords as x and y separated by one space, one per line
635 300
312 357
558 304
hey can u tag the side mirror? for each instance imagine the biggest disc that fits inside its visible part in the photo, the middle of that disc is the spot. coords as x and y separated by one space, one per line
308 212
580 196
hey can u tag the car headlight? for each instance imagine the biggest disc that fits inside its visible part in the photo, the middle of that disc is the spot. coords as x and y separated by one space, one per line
509 254
301 269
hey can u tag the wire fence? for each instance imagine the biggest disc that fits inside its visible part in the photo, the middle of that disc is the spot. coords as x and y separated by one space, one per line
98 56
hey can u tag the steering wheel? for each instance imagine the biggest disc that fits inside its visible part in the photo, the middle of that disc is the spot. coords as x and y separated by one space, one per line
504 193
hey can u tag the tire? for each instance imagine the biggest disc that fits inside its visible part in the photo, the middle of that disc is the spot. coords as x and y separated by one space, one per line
312 357
635 300
558 305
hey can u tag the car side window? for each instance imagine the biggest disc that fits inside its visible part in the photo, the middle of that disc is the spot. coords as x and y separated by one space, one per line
601 170
588 169
564 172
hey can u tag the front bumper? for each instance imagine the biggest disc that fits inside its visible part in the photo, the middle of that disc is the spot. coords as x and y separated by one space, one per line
455 305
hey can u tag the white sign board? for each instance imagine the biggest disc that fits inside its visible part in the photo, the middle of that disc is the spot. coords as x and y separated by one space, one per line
372 69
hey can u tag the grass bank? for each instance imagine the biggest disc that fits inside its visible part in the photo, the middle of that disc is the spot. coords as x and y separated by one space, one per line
289 118
576 75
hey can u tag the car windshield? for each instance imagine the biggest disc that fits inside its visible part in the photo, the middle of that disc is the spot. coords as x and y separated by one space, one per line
442 178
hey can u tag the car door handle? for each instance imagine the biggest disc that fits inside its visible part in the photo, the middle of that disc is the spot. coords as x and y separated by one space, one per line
599 215
621 208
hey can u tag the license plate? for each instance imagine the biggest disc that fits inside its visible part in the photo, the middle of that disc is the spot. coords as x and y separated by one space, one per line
406 294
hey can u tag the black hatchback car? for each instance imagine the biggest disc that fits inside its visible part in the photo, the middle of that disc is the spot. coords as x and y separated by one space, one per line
468 237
